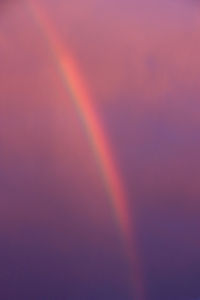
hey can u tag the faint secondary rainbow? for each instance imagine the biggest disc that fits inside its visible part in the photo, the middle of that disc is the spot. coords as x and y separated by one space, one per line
71 77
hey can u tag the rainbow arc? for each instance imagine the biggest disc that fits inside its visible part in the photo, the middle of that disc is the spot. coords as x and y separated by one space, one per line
70 74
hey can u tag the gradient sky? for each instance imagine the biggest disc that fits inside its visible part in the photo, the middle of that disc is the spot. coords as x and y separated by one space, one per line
59 236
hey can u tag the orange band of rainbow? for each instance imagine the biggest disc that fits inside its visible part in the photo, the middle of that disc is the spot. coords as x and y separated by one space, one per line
70 74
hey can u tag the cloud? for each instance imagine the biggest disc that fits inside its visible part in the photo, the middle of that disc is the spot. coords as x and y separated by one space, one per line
142 67
145 53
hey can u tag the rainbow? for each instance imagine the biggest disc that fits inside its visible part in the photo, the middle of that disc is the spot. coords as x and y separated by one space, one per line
70 75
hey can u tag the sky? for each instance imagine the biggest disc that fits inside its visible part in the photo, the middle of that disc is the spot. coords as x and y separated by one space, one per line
99 150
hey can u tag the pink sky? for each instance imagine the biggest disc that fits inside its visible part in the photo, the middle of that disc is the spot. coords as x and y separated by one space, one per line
141 63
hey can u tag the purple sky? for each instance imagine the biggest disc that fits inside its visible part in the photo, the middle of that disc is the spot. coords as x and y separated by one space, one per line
58 234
